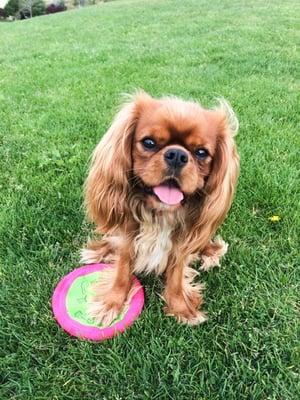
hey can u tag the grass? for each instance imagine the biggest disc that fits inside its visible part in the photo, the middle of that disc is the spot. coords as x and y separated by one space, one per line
60 80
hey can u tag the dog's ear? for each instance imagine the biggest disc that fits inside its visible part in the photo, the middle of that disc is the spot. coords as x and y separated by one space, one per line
224 171
107 184
220 186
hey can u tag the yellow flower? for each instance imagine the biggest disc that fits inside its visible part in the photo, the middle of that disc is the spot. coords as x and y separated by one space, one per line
275 218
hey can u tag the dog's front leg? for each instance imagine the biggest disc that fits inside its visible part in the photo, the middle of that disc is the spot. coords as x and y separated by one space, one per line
183 297
112 291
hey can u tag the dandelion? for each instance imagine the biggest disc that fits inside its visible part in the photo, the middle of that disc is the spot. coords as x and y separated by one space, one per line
275 218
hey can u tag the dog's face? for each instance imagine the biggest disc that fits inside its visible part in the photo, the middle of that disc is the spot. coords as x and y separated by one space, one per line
164 152
173 148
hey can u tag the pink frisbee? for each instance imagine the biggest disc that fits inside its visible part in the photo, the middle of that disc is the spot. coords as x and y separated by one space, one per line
70 301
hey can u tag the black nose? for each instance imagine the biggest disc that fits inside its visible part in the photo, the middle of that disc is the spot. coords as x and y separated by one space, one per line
176 158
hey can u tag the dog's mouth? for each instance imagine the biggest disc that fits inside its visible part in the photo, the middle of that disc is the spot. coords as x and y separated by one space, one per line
168 192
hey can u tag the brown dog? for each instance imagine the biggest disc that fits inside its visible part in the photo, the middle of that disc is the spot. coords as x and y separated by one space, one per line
161 181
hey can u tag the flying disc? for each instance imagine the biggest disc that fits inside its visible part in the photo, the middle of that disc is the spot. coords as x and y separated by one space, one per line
70 304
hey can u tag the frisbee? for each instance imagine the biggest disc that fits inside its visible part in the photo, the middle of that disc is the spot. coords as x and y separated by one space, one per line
70 304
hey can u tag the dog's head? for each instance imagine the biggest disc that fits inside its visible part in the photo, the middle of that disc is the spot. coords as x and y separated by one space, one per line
166 153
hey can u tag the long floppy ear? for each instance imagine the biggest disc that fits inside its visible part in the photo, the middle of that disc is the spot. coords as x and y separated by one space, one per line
220 186
225 167
107 184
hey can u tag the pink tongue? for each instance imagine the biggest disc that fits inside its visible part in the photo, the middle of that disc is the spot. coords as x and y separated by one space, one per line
168 194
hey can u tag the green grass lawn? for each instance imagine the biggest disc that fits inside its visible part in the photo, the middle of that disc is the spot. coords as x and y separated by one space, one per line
60 80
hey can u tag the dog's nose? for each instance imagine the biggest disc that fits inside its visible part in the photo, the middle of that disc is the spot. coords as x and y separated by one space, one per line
176 158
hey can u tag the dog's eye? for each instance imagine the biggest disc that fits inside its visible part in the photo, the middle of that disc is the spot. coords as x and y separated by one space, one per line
201 154
149 144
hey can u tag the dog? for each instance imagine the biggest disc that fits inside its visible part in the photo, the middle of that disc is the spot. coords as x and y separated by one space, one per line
161 182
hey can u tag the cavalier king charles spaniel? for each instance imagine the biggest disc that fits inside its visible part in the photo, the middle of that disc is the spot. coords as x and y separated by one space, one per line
161 181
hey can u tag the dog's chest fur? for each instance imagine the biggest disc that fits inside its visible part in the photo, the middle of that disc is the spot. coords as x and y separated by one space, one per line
153 245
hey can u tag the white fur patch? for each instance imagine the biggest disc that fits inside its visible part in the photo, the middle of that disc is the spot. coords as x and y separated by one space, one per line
152 245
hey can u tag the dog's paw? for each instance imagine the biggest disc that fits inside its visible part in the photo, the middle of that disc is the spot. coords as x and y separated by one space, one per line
186 317
212 255
185 308
109 299
106 308
106 300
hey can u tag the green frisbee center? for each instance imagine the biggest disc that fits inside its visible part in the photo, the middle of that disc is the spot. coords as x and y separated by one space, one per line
78 296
